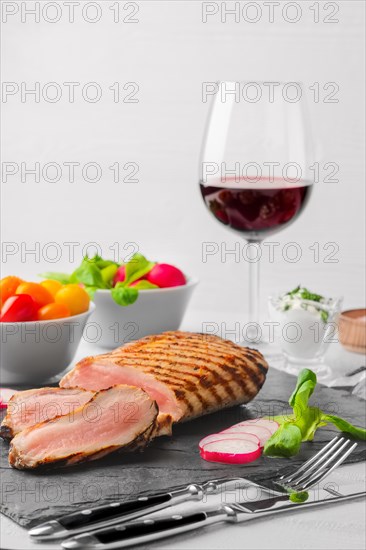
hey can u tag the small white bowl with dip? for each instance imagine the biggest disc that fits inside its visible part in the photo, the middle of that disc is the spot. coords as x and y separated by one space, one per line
305 327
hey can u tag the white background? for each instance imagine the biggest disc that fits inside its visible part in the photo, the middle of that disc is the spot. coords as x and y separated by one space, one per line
169 53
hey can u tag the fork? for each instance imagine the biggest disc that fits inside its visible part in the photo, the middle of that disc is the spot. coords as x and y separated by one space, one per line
309 474
142 531
317 467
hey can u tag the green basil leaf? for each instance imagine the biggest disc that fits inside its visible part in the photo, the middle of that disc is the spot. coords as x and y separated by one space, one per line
305 375
305 420
298 498
123 295
285 442
88 274
308 420
62 278
137 267
344 426
144 285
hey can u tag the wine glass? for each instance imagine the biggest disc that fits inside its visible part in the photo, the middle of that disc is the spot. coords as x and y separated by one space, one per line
255 168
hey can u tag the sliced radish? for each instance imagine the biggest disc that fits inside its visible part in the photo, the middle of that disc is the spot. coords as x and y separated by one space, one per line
222 436
231 451
262 433
5 395
271 425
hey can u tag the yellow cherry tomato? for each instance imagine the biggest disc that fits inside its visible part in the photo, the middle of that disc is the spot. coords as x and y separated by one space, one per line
52 286
53 311
74 297
8 286
40 295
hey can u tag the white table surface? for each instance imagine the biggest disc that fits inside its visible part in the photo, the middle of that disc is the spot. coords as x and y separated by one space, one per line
332 527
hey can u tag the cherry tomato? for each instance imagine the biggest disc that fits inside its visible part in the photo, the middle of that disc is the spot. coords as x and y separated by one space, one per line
18 308
40 295
8 286
53 311
74 297
51 285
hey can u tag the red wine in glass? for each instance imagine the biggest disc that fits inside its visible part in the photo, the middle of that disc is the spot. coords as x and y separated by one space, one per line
256 209
245 140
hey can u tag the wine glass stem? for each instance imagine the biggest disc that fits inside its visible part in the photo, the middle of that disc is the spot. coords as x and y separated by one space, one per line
254 256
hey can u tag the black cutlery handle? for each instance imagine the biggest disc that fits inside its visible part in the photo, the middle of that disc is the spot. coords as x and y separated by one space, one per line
150 529
110 511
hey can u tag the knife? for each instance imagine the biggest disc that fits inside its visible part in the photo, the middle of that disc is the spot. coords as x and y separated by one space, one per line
151 529
115 512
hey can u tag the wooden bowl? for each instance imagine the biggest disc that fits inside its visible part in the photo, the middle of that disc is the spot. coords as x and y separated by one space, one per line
352 330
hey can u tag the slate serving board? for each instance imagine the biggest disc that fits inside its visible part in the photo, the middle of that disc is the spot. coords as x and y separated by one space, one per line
32 497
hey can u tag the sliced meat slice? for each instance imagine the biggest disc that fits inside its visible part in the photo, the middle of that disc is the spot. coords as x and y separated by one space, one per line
27 408
93 373
188 374
120 417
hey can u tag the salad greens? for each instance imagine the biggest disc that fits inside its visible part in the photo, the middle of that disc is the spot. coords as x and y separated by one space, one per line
137 267
303 422
96 273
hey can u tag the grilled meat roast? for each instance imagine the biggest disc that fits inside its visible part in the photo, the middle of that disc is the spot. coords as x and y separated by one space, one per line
30 407
187 374
115 418
149 384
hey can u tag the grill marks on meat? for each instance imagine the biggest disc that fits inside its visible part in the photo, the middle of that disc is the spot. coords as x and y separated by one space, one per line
30 407
116 418
188 374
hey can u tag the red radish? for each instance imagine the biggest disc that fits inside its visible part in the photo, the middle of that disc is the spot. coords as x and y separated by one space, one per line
262 433
270 425
165 275
120 275
231 451
222 436
5 395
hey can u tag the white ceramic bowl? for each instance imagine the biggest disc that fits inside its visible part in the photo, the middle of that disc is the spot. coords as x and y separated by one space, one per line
35 351
155 311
